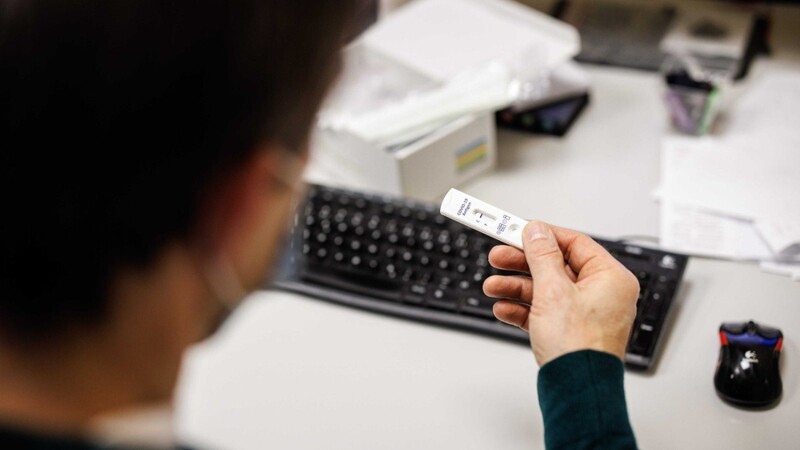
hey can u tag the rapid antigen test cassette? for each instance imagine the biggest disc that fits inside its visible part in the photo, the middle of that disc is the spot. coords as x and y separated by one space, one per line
483 217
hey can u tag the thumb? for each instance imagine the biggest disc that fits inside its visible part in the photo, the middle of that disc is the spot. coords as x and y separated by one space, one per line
544 257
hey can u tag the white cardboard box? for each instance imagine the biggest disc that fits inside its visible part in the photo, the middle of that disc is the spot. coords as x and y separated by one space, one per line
423 170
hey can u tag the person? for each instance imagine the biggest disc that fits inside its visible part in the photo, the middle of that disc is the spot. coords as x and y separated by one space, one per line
151 155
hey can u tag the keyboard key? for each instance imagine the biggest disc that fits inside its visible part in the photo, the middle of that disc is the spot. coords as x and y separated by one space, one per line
426 234
373 224
440 300
663 287
652 308
479 306
325 225
643 338
373 265
324 212
415 293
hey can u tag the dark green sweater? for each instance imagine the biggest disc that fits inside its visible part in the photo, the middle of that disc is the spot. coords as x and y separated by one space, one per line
583 402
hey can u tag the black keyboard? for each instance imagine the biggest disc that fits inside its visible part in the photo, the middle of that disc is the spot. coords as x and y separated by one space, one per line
404 258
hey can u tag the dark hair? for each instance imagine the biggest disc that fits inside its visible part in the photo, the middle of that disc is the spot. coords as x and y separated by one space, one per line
115 116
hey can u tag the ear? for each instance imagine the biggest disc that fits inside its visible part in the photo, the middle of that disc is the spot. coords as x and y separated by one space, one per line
246 216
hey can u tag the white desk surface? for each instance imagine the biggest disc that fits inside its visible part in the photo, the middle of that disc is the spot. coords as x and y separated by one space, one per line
292 372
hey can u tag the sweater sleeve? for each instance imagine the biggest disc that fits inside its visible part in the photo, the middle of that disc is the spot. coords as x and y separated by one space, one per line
582 398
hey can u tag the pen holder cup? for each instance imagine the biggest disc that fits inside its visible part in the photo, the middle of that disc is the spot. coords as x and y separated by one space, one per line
693 106
694 86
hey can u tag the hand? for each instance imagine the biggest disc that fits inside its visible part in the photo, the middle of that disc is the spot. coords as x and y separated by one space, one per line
580 297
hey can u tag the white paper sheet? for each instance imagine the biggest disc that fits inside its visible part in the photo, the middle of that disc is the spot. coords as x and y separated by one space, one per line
733 178
688 230
782 237
766 113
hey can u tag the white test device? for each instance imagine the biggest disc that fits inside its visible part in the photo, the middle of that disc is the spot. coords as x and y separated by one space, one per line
481 216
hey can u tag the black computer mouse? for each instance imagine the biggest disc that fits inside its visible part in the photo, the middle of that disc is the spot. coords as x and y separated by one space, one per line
747 370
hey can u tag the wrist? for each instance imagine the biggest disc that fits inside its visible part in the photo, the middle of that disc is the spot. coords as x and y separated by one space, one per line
546 355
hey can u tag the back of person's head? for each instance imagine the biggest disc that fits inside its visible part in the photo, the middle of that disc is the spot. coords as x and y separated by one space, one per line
116 117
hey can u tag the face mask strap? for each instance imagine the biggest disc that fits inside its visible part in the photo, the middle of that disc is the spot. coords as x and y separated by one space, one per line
224 282
290 173
220 273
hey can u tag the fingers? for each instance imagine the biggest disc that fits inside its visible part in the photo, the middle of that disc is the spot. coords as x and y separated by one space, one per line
505 257
543 253
514 287
512 313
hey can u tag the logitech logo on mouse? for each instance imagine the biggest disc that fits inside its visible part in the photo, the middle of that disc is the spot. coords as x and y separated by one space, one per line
751 357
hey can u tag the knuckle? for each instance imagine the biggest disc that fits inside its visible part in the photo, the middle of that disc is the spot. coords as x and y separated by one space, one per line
629 283
583 239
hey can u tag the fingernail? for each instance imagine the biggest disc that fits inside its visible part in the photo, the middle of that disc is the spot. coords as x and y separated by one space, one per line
536 231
